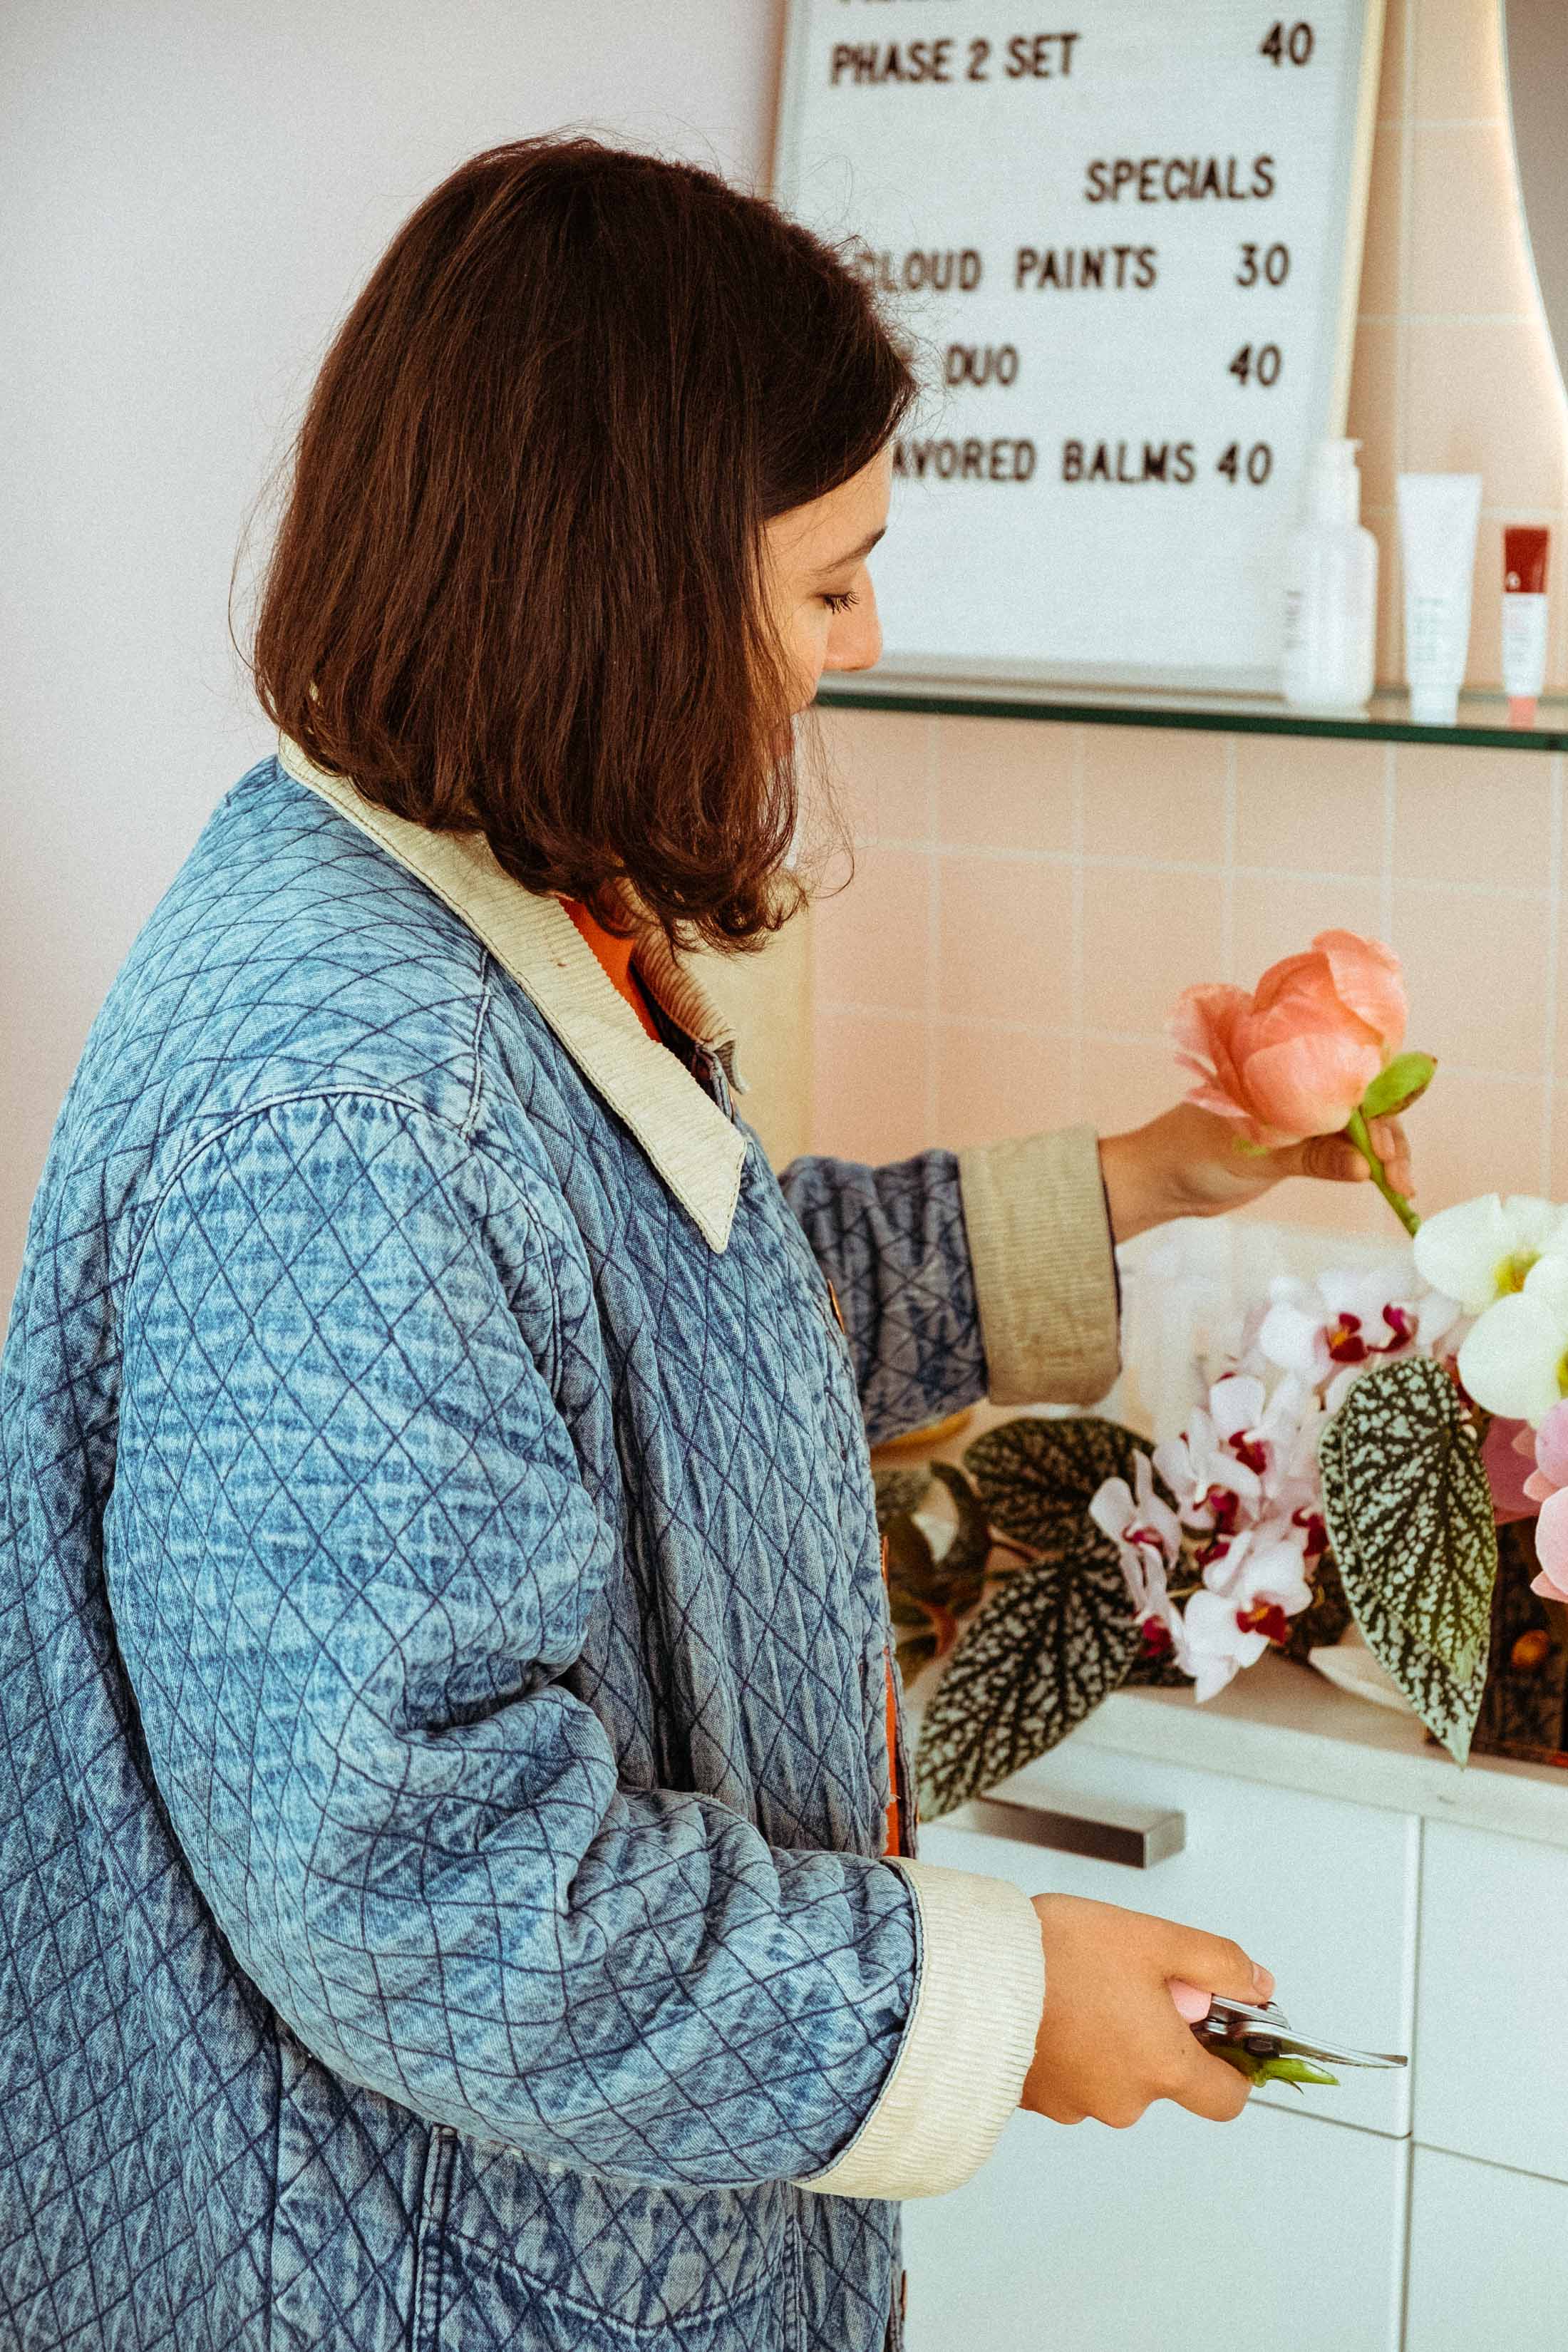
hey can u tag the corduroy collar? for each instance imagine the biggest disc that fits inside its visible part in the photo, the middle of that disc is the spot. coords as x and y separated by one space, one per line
697 1150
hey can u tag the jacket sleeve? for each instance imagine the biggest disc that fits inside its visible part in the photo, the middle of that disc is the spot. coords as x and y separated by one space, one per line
350 1555
988 1272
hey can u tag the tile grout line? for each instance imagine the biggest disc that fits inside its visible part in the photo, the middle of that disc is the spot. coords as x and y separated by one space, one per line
1520 893
1228 889
1553 941
1390 810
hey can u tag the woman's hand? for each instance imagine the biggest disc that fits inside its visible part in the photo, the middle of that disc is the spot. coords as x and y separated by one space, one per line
1111 2038
1185 1163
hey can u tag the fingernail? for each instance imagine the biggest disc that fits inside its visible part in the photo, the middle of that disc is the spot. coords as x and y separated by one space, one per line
1262 1983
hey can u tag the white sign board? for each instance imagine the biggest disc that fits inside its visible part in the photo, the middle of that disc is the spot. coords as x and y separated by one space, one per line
1128 251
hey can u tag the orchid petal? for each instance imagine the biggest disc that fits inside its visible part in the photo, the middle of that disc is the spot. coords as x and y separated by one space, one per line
1551 1445
1551 1548
1112 1507
1547 1281
1509 1363
1236 1404
1459 1251
1293 1340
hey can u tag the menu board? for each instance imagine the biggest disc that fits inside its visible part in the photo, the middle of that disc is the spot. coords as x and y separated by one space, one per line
1126 243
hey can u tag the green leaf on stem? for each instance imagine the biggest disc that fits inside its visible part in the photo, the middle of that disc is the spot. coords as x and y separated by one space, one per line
1406 1078
1409 1517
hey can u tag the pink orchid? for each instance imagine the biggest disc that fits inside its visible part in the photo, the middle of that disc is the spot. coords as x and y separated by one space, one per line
1548 1485
1514 1496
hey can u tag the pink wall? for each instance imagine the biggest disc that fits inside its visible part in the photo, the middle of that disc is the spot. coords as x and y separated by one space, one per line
1029 898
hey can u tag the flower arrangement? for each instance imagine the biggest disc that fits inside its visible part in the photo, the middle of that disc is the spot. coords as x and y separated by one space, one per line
1353 1454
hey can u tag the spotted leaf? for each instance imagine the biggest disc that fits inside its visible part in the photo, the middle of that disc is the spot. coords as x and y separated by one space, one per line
1037 1478
1055 1639
1408 1511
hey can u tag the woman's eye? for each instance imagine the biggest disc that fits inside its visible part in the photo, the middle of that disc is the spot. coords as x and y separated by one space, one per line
841 603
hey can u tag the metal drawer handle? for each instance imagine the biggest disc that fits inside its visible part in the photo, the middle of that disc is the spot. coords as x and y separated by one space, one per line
1137 1836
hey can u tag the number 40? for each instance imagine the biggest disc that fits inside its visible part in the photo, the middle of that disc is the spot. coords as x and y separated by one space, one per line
1286 43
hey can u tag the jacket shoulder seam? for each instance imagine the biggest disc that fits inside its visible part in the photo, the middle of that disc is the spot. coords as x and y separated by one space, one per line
400 1103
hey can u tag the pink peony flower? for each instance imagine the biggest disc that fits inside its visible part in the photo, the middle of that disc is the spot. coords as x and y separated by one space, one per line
1295 1057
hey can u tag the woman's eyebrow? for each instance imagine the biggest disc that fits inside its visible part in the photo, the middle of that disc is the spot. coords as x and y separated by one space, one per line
853 555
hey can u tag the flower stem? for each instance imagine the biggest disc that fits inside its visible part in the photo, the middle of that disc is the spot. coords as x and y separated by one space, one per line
1356 1128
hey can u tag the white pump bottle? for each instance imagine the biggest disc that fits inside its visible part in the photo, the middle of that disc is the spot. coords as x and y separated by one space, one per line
1330 590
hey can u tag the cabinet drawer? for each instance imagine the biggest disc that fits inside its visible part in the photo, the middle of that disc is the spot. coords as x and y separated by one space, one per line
1494 1927
1321 1892
1271 2234
1488 2258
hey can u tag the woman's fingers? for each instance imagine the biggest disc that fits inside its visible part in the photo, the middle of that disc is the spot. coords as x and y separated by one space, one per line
1335 1158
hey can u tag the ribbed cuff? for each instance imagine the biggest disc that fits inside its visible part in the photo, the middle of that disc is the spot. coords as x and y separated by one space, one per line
1045 1267
968 2046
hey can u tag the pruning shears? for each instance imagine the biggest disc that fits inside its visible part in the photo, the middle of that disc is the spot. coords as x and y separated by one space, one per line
1260 2042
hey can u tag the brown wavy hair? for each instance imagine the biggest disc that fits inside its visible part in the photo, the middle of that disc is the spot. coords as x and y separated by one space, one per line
518 582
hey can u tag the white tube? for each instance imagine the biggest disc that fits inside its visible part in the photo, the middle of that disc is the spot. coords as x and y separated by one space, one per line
1438 515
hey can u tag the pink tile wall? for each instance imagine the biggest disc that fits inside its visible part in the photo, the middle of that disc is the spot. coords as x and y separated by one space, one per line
992 970
1029 896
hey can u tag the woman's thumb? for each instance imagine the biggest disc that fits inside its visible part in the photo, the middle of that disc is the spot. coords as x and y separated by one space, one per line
1207 1964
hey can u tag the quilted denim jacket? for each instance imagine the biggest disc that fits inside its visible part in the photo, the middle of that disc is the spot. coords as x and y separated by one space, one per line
442 1665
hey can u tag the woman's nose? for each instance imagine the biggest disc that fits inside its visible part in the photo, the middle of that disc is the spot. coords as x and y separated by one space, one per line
855 640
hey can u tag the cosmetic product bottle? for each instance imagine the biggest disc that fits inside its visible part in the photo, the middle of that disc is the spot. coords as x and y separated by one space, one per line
1330 590
1524 549
1437 517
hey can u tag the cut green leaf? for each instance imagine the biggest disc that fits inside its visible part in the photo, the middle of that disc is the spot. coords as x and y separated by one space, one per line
1270 2070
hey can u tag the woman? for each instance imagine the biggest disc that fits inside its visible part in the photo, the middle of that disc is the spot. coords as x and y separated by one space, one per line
457 1865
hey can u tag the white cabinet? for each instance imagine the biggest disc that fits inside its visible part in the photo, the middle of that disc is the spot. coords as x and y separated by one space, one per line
1489 2259
1280 2232
1420 2211
1493 2071
1271 2234
1321 1892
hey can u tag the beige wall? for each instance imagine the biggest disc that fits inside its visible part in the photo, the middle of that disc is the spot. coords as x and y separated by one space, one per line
193 197
1030 898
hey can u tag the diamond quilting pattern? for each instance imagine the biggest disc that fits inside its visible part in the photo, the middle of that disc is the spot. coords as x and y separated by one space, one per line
440 1665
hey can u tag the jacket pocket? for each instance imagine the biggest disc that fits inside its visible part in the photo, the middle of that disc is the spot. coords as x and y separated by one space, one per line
571 2257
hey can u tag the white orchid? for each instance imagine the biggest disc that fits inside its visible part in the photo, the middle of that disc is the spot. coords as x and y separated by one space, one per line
1249 1591
1483 1250
1244 1455
1148 1538
1514 1360
1211 1484
1145 1531
1330 1331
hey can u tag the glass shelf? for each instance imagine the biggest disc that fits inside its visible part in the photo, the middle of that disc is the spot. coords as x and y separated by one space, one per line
1483 718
